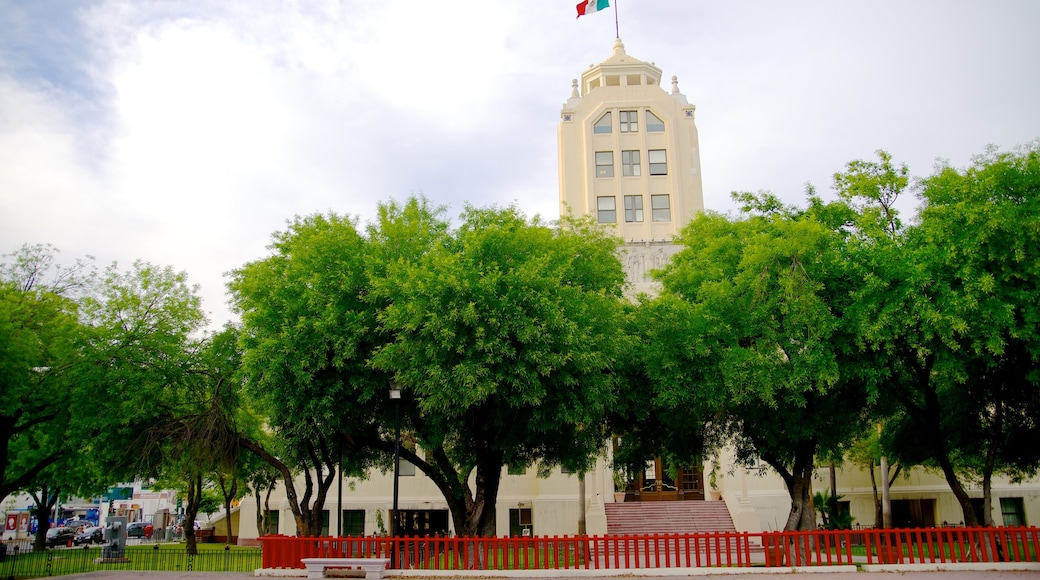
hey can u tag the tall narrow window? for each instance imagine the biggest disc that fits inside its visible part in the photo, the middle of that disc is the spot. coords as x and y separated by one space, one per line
1012 511
661 207
653 123
353 523
658 162
629 121
603 125
606 210
271 521
633 208
629 163
604 164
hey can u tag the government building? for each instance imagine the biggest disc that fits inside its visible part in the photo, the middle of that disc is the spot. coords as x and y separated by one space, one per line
629 156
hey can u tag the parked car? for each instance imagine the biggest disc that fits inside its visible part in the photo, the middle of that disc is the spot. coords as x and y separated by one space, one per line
59 537
90 535
139 530
78 525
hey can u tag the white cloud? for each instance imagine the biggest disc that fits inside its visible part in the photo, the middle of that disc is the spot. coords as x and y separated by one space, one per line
207 125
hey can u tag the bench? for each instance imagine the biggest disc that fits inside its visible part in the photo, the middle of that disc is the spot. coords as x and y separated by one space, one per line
373 567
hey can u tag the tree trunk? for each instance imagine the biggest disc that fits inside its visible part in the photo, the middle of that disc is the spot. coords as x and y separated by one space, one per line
932 425
191 511
958 491
287 480
482 510
801 517
43 504
996 433
886 498
834 483
261 513
799 487
879 521
228 495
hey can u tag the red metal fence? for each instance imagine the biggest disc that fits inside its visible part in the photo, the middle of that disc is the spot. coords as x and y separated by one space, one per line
717 549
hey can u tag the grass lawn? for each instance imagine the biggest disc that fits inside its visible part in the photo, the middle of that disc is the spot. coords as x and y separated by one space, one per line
159 557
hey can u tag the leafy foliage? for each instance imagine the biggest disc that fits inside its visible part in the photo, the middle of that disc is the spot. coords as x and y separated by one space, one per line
747 339
950 312
501 333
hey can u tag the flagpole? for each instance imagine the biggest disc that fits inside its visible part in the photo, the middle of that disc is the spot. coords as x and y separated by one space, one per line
617 30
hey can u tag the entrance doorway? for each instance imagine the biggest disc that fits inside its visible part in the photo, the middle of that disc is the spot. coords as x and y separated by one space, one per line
913 513
656 482
421 523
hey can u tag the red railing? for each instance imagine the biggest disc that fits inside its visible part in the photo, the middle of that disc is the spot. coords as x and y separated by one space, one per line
716 549
903 546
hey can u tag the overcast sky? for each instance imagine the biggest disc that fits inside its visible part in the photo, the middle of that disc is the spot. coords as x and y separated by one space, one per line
187 132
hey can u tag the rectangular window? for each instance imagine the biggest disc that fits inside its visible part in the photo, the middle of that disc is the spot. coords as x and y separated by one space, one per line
629 121
653 123
658 162
606 210
1012 511
633 208
603 125
662 208
630 163
604 164
324 523
271 523
353 522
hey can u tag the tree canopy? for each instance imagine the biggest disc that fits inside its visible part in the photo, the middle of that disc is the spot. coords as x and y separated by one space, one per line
501 333
949 314
748 336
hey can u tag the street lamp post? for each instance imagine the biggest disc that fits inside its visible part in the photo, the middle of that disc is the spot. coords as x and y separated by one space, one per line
395 396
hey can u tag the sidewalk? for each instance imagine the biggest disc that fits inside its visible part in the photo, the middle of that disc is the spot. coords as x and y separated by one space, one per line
1029 571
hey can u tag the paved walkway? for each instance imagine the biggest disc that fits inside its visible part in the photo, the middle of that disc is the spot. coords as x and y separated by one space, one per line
757 573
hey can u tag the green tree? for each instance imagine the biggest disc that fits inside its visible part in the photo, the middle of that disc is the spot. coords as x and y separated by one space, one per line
94 364
748 338
40 350
150 370
195 441
308 329
950 312
504 336
501 333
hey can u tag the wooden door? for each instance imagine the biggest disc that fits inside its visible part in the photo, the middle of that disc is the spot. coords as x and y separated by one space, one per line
656 483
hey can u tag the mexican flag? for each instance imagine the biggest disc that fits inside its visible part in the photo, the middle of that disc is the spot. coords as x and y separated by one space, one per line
590 6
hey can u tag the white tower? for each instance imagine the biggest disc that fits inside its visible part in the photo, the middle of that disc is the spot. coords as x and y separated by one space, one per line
629 158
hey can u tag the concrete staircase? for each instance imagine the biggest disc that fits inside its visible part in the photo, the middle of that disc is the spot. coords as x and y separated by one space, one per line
661 517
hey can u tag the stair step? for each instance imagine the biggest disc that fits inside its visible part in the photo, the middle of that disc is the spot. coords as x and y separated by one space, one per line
668 517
